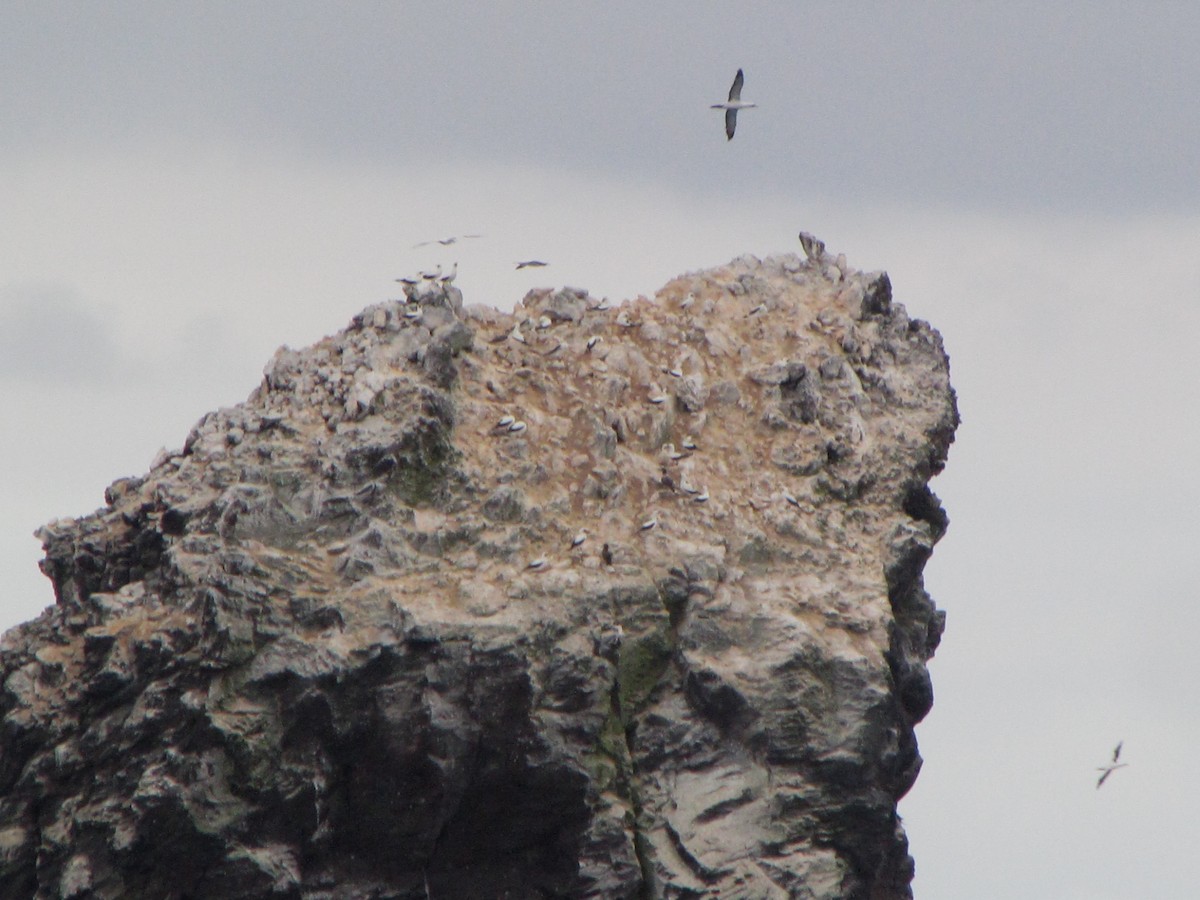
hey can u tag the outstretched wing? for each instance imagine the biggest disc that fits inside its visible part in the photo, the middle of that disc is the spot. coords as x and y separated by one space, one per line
730 123
1117 752
735 91
1107 772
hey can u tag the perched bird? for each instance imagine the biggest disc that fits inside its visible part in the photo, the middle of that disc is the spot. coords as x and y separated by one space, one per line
606 555
1112 767
733 105
531 264
537 563
579 538
449 277
814 248
434 275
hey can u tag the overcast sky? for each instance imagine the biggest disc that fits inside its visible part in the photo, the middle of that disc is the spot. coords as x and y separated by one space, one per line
184 188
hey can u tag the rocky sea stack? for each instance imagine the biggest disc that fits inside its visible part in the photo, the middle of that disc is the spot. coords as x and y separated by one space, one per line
577 601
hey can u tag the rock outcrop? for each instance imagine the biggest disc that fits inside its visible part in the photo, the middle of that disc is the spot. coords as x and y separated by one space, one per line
574 602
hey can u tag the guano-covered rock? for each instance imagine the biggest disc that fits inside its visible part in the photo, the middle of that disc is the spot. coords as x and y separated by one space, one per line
576 601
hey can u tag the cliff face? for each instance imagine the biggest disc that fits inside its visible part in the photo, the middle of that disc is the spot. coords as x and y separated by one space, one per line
347 643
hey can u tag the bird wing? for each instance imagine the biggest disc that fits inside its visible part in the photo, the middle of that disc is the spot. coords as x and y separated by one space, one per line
735 91
730 123
1117 751
1107 772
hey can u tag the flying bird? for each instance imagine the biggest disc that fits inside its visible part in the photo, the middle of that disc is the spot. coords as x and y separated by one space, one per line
1112 767
446 242
532 264
733 105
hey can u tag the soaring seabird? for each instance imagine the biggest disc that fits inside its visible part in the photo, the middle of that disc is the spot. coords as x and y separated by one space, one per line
1109 769
531 264
446 242
735 103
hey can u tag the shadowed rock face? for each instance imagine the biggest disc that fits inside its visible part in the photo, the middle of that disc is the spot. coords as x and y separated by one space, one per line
342 645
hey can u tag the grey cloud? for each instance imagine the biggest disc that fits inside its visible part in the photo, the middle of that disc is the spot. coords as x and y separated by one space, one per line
48 334
1000 105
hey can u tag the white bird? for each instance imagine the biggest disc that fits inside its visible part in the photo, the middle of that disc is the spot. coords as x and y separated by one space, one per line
593 341
409 281
735 103
532 264
648 524
790 499
537 563
580 537
701 497
449 277
517 427
689 443
434 275
1109 769
505 421
687 301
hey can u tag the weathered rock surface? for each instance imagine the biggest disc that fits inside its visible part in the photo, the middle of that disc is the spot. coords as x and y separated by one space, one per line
346 644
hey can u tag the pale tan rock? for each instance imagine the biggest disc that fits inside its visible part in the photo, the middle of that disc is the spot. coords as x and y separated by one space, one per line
346 643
